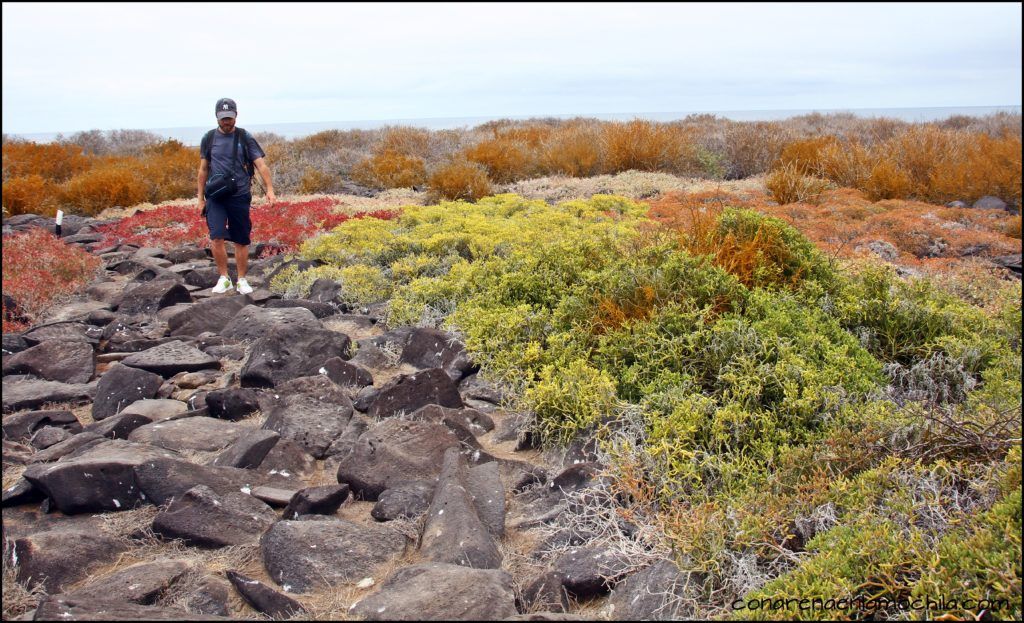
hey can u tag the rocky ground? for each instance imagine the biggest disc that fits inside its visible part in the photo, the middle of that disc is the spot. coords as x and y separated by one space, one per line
169 453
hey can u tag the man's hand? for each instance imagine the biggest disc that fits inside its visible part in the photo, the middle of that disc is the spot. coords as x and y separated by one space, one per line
271 197
202 207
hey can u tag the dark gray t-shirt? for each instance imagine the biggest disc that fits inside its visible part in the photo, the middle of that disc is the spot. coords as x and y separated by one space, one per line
223 161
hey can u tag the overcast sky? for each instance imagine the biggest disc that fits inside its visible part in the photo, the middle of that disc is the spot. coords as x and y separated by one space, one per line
70 67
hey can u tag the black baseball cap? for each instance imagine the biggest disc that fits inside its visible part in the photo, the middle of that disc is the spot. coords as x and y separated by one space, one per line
226 108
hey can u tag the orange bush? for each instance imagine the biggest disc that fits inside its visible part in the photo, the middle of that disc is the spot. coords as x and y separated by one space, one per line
50 160
806 156
643 146
459 179
788 185
506 159
888 181
1012 227
315 181
986 166
30 194
574 150
755 252
106 186
390 169
170 170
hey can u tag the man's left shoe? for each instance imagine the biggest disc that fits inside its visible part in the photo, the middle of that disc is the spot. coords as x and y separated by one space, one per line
242 286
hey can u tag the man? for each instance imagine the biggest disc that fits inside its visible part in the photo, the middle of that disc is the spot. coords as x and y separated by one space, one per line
227 214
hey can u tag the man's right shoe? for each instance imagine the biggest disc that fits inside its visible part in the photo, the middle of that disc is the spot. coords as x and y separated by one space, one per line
223 285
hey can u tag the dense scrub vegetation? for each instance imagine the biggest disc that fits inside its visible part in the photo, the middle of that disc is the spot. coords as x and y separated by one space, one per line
793 417
960 158
794 427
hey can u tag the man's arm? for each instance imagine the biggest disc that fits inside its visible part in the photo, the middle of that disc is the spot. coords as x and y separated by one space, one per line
264 172
204 172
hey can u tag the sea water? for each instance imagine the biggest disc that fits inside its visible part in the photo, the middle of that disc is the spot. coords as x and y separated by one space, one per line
191 135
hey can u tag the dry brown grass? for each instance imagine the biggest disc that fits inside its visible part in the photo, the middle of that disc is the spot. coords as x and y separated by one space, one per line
505 158
644 146
788 184
390 169
458 180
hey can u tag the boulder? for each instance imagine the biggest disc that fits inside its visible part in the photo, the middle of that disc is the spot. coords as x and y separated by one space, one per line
97 478
205 434
263 598
205 518
164 479
48 436
431 348
288 353
324 500
20 426
211 315
407 393
658 592
171 358
150 296
591 571
252 322
320 553
232 404
248 451
63 332
312 411
64 448
392 452
989 202
121 386
67 608
346 374
454 533
58 558
23 392
440 592
141 583
409 499
319 309
67 362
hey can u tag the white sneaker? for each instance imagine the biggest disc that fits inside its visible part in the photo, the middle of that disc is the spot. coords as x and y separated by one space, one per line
243 286
223 285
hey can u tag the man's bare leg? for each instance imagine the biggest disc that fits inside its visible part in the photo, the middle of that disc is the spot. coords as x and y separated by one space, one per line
241 259
220 256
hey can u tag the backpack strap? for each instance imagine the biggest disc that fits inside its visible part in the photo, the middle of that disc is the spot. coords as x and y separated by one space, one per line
206 146
246 162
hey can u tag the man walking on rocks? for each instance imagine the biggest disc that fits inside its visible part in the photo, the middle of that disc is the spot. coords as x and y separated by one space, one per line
227 156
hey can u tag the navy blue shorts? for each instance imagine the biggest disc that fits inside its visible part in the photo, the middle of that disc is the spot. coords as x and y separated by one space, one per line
228 219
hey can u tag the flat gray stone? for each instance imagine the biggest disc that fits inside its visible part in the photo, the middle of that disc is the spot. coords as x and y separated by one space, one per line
205 518
440 592
205 434
21 392
171 358
321 553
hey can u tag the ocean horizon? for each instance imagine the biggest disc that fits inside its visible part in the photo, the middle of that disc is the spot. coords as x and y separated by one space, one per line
190 135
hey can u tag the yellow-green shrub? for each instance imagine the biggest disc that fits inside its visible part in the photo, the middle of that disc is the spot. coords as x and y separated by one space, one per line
571 399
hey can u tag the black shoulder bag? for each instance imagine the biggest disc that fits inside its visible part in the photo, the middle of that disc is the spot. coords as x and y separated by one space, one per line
219 184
